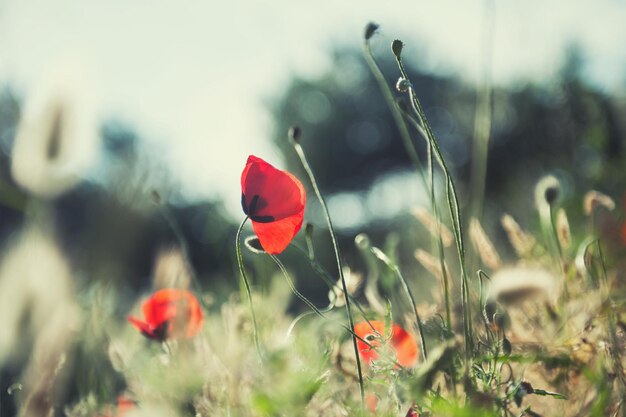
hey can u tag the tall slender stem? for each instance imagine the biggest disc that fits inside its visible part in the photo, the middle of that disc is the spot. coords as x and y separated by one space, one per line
412 152
333 237
244 278
453 205
381 255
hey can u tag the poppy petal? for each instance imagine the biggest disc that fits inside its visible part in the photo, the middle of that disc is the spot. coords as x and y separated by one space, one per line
405 346
142 326
161 306
276 236
276 194
402 342
170 312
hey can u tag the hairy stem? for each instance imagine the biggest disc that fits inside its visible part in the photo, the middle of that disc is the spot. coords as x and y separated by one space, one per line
244 278
333 237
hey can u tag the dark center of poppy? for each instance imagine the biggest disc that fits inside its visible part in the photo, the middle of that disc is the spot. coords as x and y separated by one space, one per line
159 333
250 210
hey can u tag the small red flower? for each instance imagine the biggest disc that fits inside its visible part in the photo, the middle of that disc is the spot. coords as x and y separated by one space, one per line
169 313
124 406
402 343
274 200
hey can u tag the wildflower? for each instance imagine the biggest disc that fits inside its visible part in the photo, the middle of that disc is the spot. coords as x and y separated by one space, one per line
124 406
274 200
169 313
401 342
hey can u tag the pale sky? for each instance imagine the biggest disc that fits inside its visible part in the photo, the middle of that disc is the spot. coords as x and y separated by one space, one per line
191 75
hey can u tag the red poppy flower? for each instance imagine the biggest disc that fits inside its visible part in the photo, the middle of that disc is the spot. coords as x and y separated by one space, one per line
401 342
169 313
274 200
124 406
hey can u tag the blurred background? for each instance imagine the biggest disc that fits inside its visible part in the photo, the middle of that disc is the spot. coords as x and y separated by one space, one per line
157 106
125 125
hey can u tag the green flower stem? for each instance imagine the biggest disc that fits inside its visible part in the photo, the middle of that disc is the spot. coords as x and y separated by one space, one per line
412 152
453 206
393 267
320 312
331 230
248 291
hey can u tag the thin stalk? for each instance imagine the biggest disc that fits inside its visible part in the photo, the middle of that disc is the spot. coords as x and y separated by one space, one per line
394 268
328 279
482 118
244 278
412 152
333 237
453 206
184 248
439 242
319 312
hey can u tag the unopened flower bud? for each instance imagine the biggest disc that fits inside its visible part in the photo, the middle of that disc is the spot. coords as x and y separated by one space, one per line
396 47
403 85
362 241
370 29
294 133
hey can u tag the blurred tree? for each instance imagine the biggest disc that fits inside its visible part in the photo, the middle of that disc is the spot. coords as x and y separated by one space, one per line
566 126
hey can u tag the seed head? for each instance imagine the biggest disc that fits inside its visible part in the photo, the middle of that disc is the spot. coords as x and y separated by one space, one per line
294 133
403 85
396 47
370 30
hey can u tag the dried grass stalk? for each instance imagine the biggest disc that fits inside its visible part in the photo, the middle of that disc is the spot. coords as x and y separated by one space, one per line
483 245
433 226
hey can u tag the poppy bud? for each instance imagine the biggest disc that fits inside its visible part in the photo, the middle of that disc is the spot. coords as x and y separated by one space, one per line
294 134
403 85
547 191
362 241
396 47
370 29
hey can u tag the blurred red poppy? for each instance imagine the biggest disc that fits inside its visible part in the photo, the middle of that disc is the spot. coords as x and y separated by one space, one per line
274 200
402 343
169 313
124 406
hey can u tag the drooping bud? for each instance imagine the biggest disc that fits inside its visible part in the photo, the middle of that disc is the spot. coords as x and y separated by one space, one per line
362 241
547 192
370 30
403 85
595 199
294 133
396 47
